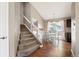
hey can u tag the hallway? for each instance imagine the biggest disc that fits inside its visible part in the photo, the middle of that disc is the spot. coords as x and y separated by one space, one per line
39 29
50 50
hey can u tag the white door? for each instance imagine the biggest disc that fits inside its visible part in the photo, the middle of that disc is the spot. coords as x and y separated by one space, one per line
4 49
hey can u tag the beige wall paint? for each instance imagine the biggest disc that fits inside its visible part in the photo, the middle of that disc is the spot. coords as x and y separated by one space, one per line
36 15
27 10
32 14
21 13
14 27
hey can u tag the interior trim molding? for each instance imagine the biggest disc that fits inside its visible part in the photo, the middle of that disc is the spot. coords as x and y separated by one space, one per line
72 53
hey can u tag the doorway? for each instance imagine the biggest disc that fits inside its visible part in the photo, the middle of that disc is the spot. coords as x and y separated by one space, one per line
56 31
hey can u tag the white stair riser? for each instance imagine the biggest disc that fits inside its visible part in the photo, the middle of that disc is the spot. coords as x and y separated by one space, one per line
25 33
26 53
29 35
21 45
28 43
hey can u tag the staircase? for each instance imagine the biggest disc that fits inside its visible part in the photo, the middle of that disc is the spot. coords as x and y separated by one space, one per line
27 44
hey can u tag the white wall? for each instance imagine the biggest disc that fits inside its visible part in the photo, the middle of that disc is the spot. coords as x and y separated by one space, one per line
4 44
75 31
14 26
31 13
77 28
50 10
35 15
21 13
73 37
27 10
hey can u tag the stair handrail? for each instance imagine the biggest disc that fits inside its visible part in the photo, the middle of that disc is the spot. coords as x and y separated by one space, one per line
27 19
30 22
31 25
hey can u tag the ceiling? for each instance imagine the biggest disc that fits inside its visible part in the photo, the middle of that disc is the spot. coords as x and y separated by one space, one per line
51 10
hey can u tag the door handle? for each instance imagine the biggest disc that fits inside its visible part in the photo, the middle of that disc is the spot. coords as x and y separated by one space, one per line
3 38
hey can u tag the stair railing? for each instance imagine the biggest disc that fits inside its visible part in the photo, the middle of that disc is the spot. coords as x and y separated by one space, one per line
30 27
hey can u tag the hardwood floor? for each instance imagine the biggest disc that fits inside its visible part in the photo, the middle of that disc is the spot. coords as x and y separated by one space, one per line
63 49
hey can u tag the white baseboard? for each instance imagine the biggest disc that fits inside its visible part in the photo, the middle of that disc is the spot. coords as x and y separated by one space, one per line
72 53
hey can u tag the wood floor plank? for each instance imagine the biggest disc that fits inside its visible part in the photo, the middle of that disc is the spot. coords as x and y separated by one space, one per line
63 49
